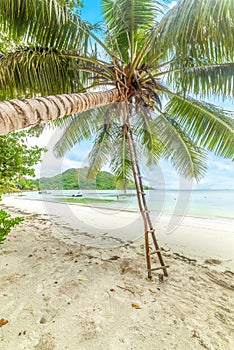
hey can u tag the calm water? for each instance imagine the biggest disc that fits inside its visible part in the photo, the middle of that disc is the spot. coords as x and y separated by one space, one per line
209 203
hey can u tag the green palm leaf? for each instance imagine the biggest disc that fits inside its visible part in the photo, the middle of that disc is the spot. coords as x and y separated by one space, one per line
147 137
45 71
33 71
134 20
198 28
44 22
209 126
187 158
100 153
205 81
120 162
77 128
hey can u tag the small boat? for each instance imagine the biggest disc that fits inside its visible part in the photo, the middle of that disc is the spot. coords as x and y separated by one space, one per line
79 194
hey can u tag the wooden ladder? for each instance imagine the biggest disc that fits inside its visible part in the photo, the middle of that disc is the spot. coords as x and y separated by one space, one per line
148 225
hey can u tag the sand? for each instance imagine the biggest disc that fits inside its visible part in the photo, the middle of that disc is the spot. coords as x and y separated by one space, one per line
64 287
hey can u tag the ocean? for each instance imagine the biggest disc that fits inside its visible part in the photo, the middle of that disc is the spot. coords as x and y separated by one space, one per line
196 203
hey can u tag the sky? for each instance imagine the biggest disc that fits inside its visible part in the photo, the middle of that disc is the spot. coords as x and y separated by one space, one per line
92 10
220 173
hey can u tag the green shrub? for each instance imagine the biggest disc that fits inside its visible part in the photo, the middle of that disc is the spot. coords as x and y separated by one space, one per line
6 223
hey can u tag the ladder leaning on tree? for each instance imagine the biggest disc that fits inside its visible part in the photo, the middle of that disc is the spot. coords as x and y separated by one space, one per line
149 230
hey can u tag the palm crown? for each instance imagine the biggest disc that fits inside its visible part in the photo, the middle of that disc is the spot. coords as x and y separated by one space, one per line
152 55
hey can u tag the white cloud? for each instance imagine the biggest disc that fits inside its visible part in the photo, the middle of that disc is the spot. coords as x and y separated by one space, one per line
51 165
48 137
172 4
68 164
223 166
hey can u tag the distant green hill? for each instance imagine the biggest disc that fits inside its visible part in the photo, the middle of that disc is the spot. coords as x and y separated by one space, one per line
75 179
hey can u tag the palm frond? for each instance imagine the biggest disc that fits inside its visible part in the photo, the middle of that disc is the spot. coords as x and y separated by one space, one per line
36 130
77 128
101 150
128 22
198 29
209 126
204 81
35 70
120 163
147 138
45 23
187 158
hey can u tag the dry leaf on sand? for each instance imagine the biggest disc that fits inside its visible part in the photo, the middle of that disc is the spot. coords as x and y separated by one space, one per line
3 322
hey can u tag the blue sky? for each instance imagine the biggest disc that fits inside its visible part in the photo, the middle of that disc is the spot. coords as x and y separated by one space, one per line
92 10
220 172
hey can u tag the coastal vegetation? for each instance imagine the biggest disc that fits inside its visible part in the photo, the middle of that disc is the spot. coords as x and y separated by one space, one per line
6 224
16 163
75 179
157 68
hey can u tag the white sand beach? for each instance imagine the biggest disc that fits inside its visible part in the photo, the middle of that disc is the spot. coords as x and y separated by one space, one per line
74 277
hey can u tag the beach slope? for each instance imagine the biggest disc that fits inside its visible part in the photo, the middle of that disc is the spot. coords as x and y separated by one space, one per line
60 294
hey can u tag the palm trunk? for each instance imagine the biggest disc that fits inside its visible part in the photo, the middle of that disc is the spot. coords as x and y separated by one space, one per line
19 114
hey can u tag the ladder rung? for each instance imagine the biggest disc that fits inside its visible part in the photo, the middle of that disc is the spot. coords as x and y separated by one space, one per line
154 252
142 193
139 175
150 231
146 211
159 268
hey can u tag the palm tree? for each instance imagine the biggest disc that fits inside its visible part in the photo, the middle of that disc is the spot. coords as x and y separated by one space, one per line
156 67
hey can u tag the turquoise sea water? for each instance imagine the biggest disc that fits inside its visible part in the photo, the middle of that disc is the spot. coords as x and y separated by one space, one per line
205 203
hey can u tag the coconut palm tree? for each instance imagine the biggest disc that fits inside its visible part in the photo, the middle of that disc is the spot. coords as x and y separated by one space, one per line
157 68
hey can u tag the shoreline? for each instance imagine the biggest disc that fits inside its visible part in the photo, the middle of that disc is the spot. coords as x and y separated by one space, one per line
206 204
94 205
57 293
197 238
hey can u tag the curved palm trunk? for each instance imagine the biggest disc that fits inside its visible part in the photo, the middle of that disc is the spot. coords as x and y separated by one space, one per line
19 114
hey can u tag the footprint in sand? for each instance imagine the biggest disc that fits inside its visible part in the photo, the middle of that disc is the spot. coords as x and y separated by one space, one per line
46 342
